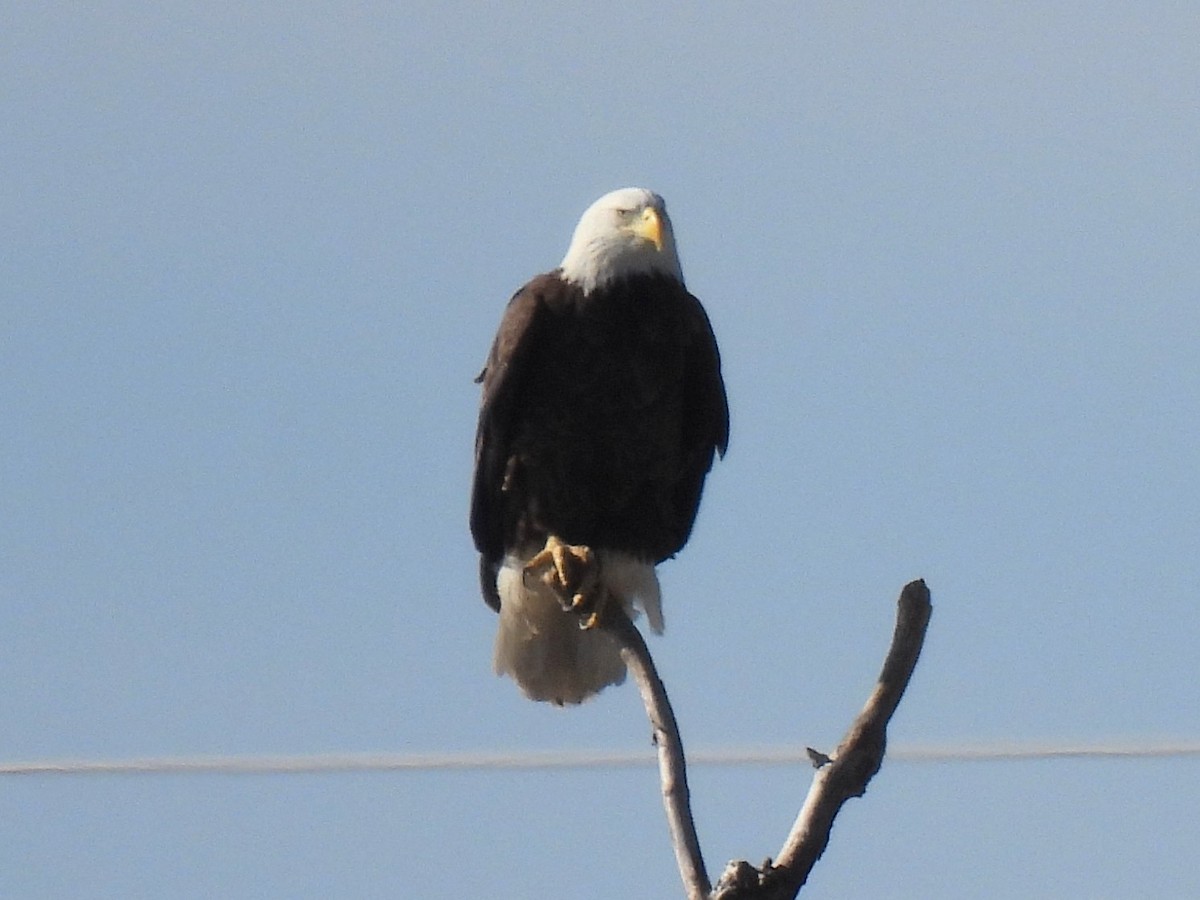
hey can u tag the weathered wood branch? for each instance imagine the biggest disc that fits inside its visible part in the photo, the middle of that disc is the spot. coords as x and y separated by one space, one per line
671 765
839 777
843 775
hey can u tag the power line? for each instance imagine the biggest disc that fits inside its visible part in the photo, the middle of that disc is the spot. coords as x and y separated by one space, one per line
587 759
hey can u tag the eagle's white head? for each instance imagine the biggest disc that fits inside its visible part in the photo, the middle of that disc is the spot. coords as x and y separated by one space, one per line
626 232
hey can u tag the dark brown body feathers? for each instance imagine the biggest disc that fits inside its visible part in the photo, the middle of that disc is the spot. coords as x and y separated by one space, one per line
599 420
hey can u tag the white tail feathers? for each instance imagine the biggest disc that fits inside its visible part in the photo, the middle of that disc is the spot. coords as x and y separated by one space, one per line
542 646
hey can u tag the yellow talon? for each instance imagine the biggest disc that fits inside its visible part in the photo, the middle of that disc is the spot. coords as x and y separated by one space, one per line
592 619
572 572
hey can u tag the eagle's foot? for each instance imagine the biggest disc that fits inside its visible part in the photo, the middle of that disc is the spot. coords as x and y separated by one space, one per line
598 604
573 572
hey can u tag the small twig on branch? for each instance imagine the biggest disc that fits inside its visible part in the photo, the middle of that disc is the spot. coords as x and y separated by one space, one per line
671 766
845 774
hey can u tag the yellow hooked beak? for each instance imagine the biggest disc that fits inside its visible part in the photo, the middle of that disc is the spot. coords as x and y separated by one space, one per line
649 227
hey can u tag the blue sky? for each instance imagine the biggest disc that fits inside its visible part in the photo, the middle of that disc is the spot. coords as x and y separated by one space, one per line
252 259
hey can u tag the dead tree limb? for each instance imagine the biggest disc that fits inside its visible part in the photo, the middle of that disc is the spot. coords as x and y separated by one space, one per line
671 766
845 774
838 778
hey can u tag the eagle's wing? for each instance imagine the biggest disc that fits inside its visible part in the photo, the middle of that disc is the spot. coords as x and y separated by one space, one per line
705 424
708 412
502 379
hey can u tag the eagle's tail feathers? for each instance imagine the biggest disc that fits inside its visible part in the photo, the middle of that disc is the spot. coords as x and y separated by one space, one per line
542 646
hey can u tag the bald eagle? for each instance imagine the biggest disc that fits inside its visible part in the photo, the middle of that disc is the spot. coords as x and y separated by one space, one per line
603 406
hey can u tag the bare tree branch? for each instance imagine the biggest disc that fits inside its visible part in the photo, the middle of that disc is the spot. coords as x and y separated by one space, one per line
839 777
671 766
845 774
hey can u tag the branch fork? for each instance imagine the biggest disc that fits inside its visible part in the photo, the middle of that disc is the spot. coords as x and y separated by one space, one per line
839 777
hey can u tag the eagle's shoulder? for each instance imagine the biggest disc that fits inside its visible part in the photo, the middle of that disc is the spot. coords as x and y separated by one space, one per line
545 294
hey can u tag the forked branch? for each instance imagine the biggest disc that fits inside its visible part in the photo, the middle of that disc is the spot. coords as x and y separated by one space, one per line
839 777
